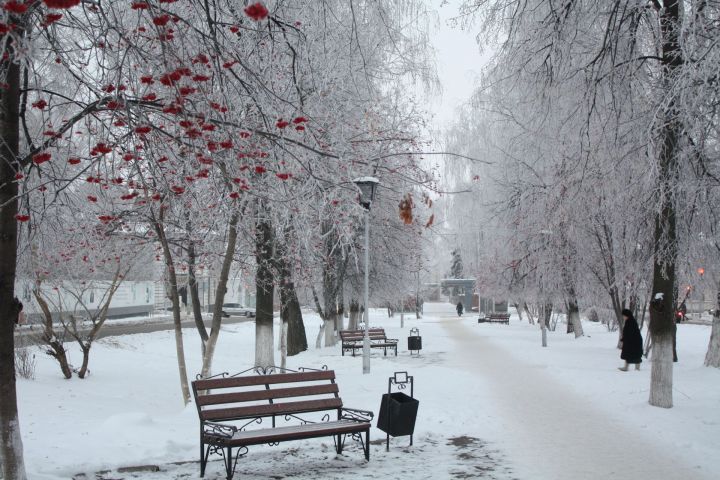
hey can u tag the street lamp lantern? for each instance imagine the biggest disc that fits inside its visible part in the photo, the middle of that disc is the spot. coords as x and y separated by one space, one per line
367 186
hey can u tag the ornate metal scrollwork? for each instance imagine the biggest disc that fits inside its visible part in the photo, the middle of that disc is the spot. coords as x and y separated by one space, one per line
269 370
257 420
215 450
219 430
218 375
230 462
308 369
356 415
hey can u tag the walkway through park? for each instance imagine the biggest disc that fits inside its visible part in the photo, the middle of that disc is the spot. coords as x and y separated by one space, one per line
551 432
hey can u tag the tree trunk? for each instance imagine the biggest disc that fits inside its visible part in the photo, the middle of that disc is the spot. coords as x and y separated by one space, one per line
98 319
48 337
283 344
331 309
220 290
195 297
545 322
172 279
662 309
86 359
265 289
531 318
642 317
329 327
321 331
712 358
296 336
518 310
296 340
661 371
354 314
574 317
617 308
11 448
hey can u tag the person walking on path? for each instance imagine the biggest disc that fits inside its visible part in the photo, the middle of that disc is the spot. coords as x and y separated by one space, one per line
632 343
459 307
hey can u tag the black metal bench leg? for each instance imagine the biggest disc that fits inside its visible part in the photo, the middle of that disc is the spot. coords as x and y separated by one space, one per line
367 445
339 445
229 464
203 458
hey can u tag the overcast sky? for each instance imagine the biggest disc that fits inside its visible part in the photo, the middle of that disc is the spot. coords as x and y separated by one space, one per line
458 62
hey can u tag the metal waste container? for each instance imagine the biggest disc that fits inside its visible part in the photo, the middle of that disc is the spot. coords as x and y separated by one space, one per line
414 341
398 411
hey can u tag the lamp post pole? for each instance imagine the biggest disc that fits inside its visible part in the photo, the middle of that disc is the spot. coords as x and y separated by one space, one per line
366 187
366 316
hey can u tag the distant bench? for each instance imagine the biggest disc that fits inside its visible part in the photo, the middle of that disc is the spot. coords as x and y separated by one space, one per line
281 397
495 318
351 340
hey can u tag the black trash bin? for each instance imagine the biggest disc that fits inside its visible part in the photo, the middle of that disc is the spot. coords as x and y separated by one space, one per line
414 341
398 412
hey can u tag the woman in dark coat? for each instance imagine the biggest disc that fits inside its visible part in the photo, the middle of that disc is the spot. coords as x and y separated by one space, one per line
632 343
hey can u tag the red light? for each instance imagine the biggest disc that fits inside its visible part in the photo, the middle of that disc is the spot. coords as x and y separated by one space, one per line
701 271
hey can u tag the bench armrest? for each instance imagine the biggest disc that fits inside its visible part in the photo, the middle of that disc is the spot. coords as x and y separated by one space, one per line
219 430
355 414
392 340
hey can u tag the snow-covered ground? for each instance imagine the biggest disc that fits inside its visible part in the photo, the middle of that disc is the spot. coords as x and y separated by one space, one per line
493 404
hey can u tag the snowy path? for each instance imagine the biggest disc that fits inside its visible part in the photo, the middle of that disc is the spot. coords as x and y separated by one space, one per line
559 436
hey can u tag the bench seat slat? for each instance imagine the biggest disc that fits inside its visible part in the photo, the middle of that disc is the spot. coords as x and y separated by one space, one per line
254 395
374 344
271 409
249 381
294 432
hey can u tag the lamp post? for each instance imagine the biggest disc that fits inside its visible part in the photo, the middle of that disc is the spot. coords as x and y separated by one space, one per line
367 186
701 272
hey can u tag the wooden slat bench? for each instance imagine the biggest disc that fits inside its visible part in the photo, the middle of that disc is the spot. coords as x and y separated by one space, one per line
351 340
495 318
227 406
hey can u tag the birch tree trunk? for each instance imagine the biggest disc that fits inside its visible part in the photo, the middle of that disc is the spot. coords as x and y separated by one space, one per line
265 290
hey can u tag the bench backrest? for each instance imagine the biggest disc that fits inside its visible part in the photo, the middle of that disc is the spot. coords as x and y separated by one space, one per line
357 335
499 315
255 396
